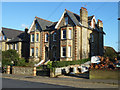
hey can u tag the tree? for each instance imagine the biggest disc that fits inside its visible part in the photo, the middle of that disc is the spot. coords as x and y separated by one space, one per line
109 52
10 57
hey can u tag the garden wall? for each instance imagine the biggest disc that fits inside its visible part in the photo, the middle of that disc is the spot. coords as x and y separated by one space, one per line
18 70
103 74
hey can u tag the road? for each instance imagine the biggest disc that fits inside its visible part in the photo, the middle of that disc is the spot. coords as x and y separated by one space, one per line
11 83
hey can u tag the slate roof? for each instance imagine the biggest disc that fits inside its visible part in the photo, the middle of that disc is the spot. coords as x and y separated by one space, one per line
17 38
44 23
48 25
75 18
11 33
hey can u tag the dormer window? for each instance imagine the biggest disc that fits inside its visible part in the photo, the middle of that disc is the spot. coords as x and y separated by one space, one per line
37 26
66 20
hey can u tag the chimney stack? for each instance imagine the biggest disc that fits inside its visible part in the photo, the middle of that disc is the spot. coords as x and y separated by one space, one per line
100 24
26 30
84 16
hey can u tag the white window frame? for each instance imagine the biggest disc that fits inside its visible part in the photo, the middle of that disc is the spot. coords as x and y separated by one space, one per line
66 20
70 34
54 36
46 37
62 52
32 36
63 34
69 51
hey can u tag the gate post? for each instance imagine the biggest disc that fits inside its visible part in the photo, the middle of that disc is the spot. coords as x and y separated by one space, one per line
8 69
34 71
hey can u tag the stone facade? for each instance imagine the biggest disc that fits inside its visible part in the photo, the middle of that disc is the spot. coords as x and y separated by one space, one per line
78 41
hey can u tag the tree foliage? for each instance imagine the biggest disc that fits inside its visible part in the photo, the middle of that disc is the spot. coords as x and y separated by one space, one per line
11 57
109 52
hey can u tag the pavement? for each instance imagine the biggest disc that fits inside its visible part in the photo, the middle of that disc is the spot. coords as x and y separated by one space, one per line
71 81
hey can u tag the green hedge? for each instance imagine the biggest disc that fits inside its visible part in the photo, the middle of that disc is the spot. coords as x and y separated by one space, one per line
67 63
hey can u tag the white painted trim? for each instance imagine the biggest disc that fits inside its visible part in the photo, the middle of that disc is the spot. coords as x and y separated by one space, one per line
92 21
31 25
60 20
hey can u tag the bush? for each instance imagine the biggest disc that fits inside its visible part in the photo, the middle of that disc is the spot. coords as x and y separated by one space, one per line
9 56
109 52
67 63
21 62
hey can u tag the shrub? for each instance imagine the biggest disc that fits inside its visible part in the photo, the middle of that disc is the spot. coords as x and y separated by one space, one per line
67 63
9 56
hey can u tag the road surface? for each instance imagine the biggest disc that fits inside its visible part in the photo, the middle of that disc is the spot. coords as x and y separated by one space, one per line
11 83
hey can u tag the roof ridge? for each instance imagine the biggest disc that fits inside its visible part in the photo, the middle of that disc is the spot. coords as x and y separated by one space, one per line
71 12
43 19
12 29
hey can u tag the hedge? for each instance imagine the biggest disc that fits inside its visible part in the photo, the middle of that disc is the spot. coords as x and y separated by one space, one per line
67 63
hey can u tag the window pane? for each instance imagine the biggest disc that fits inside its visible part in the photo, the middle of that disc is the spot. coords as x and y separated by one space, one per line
32 51
63 51
46 37
69 34
36 51
66 20
37 36
32 38
69 51
64 34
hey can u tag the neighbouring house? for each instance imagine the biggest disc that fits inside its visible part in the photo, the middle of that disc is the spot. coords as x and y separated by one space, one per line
72 37
15 39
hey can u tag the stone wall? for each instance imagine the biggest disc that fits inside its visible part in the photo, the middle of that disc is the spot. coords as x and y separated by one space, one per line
23 70
103 74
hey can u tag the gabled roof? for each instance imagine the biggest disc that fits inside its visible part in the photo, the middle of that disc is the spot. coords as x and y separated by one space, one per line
44 23
74 17
11 33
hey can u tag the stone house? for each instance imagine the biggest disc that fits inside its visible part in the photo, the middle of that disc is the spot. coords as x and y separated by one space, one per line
72 37
15 39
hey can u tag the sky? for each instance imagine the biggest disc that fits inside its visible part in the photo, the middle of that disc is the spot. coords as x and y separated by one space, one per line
18 15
